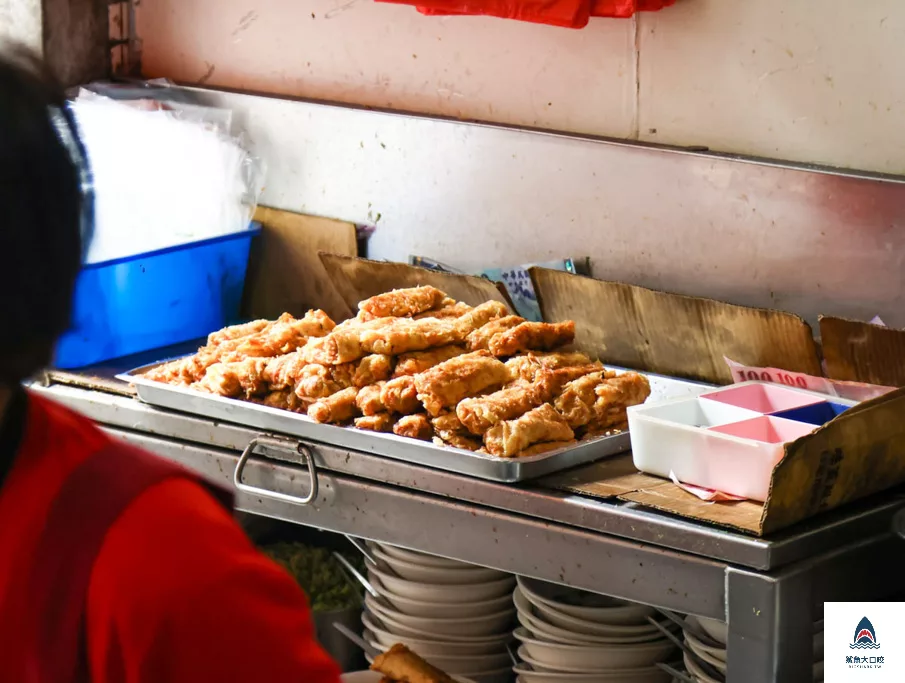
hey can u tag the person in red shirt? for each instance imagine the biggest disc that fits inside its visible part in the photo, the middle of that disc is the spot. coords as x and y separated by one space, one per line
115 566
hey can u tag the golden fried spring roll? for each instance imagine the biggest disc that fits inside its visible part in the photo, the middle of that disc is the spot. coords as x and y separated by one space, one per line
400 396
285 335
528 336
243 378
448 422
526 366
508 439
446 384
401 302
340 407
236 331
481 337
173 372
368 399
403 666
419 361
319 381
403 335
449 308
416 426
480 414
480 316
284 371
380 422
456 440
613 396
578 397
284 399
374 368
340 346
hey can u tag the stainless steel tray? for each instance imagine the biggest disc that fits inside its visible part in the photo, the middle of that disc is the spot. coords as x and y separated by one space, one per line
276 421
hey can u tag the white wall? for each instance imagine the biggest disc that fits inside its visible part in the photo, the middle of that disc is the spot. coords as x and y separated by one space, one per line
20 21
793 79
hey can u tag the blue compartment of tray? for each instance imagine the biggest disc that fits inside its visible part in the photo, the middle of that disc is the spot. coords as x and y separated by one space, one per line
815 414
155 299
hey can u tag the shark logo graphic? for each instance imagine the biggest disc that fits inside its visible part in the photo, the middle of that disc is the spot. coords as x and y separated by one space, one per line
865 636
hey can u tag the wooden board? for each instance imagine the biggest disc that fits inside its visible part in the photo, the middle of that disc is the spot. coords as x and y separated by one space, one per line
356 279
671 334
861 352
285 273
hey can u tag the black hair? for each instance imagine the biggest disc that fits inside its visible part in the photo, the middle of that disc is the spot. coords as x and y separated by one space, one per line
42 215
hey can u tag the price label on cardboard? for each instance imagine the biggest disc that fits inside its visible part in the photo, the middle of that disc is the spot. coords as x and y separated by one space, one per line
855 391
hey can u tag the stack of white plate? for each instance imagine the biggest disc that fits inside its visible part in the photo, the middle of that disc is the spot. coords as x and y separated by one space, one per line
712 649
570 636
456 616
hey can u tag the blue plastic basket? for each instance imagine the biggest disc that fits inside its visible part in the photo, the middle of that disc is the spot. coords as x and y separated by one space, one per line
155 299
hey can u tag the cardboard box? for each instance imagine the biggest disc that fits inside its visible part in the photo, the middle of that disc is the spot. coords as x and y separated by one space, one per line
859 453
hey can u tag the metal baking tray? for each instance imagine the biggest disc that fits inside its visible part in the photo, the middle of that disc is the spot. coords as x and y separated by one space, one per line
481 465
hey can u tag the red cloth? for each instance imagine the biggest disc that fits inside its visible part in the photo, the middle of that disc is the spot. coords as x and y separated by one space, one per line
565 13
177 592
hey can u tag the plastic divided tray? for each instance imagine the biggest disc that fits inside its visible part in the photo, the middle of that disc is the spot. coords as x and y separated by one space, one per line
727 439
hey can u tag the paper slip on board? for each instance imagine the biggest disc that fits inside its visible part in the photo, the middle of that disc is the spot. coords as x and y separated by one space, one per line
481 465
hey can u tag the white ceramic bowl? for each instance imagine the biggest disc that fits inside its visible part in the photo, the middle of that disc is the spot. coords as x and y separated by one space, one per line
423 559
485 625
426 646
716 652
464 574
647 675
424 608
543 630
582 658
419 590
697 671
589 607
400 628
576 625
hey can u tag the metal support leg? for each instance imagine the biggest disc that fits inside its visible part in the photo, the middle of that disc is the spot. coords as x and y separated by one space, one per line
770 628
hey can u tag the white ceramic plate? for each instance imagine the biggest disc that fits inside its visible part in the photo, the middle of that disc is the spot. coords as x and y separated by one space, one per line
374 677
487 625
646 675
425 608
418 558
577 658
578 604
543 630
425 646
401 630
419 590
463 574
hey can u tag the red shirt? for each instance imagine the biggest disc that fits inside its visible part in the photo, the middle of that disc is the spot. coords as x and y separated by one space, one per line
177 593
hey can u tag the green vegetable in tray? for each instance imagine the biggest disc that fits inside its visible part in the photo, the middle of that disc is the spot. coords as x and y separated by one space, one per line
319 574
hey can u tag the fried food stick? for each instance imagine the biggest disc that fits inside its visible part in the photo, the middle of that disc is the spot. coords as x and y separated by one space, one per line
419 361
527 366
401 303
340 407
480 316
381 422
368 399
416 426
403 335
600 399
481 413
284 371
527 336
449 308
243 378
400 396
403 666
374 368
446 384
237 331
481 337
508 439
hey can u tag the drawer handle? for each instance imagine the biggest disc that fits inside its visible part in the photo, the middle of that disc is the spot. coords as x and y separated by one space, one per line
307 460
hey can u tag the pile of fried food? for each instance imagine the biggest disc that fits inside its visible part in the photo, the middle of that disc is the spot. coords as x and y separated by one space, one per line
401 665
419 364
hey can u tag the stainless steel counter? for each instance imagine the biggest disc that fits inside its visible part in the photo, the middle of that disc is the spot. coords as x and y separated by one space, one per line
769 590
